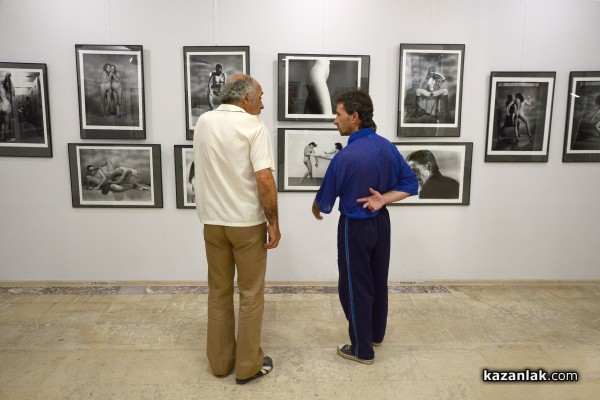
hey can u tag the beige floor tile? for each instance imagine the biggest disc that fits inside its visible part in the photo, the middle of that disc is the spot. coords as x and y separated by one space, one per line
286 334
36 392
48 337
391 364
170 298
114 392
517 331
165 367
504 291
73 313
192 335
62 298
516 357
550 308
546 391
437 296
27 368
119 298
309 365
270 313
455 389
18 298
585 361
11 334
575 292
304 311
149 346
304 334
92 368
133 336
23 313
448 364
265 388
441 331
352 390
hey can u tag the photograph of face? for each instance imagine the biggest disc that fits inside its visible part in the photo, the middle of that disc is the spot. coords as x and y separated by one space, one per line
582 136
304 156
117 176
443 172
111 90
208 72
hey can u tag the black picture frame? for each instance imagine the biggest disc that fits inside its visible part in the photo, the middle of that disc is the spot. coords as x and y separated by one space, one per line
111 103
199 66
184 176
291 147
24 110
133 175
326 75
519 116
451 184
430 90
582 131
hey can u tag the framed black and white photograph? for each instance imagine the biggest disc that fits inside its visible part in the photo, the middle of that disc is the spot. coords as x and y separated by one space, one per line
443 171
206 70
309 84
519 116
110 81
430 90
304 155
582 133
24 110
115 175
185 176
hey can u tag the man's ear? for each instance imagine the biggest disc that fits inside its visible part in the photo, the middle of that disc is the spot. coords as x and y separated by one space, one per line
355 118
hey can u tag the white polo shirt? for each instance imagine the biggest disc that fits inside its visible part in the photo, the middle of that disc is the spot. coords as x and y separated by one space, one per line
230 145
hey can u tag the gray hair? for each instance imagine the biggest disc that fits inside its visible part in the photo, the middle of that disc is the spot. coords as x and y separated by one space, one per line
237 88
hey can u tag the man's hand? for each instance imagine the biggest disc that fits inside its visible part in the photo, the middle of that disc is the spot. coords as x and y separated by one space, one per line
267 195
273 236
315 211
373 202
377 200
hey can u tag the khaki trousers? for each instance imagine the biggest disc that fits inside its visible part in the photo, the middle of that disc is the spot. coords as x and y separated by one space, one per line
227 249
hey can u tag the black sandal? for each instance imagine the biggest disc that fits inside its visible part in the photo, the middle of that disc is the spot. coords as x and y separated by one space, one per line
266 368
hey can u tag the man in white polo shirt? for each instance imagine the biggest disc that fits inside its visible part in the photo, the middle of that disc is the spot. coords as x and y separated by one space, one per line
236 200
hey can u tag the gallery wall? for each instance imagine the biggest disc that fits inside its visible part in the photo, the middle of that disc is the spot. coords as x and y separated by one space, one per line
524 221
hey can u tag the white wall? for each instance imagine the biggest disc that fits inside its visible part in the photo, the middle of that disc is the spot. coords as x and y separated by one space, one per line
525 221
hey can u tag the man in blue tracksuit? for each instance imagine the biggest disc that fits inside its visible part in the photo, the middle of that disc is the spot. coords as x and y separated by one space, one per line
366 175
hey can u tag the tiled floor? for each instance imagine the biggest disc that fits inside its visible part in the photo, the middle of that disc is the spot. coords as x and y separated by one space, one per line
143 343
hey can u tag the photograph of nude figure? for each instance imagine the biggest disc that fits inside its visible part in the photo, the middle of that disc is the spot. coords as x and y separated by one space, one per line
115 175
309 83
304 156
110 83
24 110
185 176
519 116
582 133
206 70
430 90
